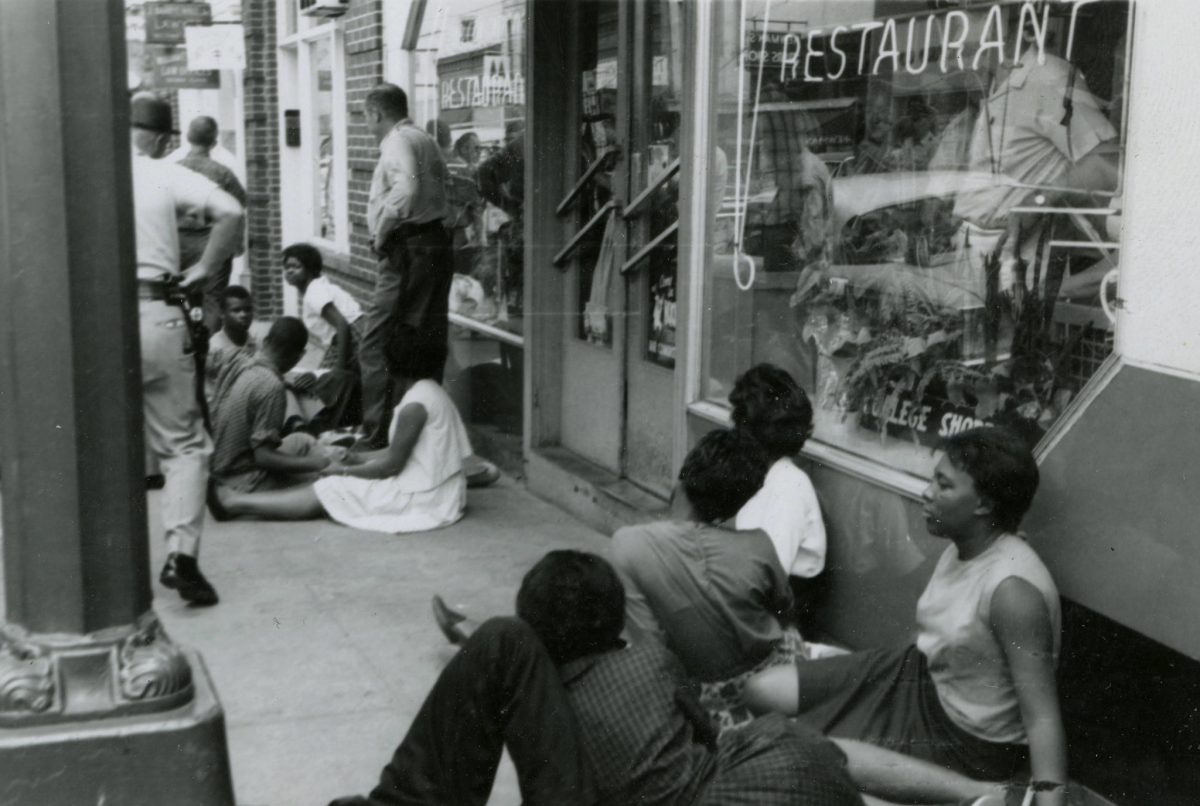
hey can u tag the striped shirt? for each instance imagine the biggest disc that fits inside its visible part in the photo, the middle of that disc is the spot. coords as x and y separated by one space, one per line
249 408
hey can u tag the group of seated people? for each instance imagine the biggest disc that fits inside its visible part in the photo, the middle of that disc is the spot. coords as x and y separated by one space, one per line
273 457
673 672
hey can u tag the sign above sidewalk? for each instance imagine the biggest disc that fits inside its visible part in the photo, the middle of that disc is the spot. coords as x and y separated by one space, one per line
165 21
168 69
216 47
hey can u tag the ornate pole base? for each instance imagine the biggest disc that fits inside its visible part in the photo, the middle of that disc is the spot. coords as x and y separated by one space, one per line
176 756
132 669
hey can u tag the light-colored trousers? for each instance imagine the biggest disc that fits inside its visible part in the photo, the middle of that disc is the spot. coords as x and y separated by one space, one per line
174 426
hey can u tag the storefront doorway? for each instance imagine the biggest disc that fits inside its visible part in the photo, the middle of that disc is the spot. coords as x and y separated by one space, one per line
619 244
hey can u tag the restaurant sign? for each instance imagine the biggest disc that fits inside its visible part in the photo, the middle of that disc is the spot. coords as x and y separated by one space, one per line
168 70
490 82
165 21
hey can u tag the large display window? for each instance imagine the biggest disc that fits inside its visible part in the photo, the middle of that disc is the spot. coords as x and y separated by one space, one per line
917 211
466 84
313 77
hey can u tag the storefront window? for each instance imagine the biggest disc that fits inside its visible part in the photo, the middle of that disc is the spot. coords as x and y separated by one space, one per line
321 74
663 86
597 255
314 160
477 114
920 212
469 94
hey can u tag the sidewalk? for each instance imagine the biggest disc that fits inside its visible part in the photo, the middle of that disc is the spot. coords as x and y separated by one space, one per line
323 646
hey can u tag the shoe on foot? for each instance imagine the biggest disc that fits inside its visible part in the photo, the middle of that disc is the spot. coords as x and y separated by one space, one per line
450 622
182 573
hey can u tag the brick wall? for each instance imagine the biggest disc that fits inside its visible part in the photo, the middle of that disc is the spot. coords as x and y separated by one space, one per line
364 70
263 221
363 35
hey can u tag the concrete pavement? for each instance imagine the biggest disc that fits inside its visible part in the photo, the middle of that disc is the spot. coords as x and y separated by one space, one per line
323 647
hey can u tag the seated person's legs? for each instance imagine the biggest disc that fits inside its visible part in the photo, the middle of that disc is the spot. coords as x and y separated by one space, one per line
501 691
293 504
774 690
773 760
340 393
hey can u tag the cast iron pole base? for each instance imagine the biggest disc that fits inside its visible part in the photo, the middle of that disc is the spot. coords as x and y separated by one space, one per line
169 758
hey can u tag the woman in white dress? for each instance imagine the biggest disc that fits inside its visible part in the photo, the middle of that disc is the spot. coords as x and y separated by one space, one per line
414 484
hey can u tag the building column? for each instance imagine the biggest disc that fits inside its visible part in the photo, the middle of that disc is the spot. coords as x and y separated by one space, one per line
95 700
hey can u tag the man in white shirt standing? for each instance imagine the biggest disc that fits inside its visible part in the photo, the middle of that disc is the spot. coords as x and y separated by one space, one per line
175 432
405 212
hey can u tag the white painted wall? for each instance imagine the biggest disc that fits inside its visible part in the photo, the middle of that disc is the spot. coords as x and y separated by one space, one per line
1160 255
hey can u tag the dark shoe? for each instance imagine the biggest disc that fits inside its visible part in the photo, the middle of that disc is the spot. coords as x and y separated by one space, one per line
218 510
182 573
449 622
483 474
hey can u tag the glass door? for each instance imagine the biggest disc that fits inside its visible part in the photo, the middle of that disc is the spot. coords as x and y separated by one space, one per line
593 397
650 267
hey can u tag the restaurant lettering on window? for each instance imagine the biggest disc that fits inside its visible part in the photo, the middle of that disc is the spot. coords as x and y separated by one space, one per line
921 213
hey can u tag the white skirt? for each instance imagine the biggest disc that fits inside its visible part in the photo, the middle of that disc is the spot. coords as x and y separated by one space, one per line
379 505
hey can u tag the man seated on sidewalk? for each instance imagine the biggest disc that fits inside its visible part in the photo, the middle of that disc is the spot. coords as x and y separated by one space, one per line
249 410
588 720
237 314
315 402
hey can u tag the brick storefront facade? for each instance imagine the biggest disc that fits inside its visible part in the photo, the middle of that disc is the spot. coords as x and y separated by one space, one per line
263 220
362 26
364 70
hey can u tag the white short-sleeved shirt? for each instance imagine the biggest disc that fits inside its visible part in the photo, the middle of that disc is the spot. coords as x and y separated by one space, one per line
786 508
1027 140
321 292
161 192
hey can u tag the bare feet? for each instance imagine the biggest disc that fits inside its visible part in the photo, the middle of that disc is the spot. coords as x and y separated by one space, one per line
454 625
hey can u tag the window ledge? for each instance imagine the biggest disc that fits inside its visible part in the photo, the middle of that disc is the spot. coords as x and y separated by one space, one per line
822 453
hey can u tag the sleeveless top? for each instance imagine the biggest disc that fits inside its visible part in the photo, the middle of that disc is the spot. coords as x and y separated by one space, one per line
442 445
969 669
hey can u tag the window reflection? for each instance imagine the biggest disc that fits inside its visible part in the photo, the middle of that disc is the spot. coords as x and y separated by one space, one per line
920 242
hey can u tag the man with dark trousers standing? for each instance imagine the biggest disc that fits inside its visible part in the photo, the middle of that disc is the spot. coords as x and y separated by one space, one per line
174 427
405 212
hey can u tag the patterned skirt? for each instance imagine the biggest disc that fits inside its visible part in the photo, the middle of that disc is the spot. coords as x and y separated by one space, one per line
724 700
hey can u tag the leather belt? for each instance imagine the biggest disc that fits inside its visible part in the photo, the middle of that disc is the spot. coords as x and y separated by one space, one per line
155 290
408 230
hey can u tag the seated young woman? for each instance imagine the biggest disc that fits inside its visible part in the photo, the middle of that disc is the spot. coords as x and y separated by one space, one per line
976 693
414 484
770 406
716 597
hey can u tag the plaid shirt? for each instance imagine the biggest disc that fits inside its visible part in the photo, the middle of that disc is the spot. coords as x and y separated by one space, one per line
643 746
249 406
